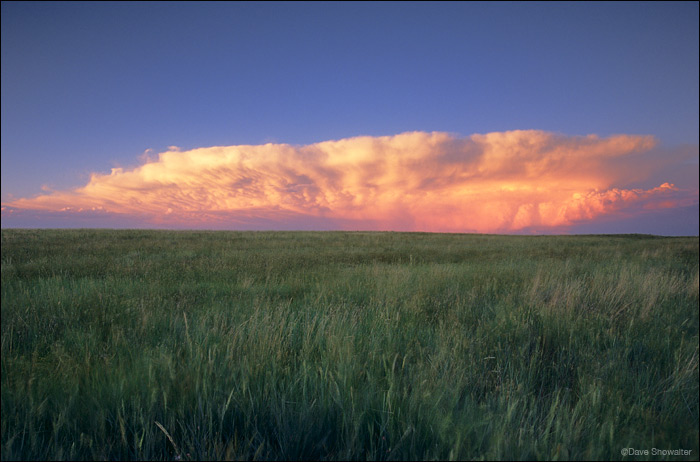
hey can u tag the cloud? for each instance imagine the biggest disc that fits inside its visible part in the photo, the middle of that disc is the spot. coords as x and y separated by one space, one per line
515 181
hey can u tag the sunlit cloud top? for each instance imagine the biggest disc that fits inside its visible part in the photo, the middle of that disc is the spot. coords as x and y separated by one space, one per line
515 181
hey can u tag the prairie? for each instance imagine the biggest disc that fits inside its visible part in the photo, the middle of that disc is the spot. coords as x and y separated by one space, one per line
184 345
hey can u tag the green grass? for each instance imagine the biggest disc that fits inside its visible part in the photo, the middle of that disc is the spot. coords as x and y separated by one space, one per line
331 345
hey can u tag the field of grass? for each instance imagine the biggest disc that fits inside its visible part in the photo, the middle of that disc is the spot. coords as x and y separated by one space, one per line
172 345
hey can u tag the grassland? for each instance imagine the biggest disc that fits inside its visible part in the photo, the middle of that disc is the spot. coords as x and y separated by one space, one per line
299 345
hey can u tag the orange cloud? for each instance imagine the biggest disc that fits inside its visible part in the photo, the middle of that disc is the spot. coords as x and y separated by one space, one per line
497 182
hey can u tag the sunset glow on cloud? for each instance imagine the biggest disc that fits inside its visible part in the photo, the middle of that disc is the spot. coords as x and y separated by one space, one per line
516 181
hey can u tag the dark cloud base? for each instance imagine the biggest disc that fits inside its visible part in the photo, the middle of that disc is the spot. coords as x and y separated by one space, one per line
682 221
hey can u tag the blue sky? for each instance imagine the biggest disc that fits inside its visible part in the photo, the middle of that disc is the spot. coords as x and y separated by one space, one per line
91 86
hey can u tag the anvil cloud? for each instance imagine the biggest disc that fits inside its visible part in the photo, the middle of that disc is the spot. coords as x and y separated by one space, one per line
515 181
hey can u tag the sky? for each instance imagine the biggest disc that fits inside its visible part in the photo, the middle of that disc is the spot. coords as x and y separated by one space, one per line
495 117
